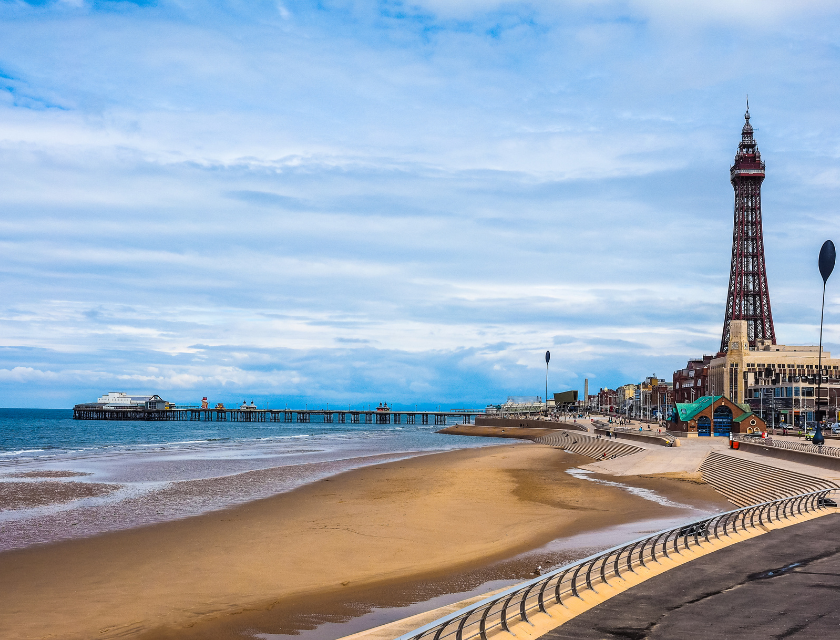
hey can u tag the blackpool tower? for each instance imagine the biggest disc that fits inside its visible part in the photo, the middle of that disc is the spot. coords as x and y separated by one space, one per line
748 298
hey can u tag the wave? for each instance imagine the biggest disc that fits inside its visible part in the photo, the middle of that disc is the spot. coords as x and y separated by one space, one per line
20 451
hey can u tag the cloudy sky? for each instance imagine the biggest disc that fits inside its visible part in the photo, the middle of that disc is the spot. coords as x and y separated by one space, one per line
357 201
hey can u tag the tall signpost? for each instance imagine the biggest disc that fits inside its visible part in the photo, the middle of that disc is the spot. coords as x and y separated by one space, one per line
826 262
547 358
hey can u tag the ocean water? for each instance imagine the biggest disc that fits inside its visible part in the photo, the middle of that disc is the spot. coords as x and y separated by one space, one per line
47 434
63 478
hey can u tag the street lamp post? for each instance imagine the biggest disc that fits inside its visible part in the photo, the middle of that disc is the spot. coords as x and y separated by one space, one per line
547 358
826 263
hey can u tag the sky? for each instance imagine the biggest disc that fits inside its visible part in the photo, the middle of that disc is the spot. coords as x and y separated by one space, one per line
351 202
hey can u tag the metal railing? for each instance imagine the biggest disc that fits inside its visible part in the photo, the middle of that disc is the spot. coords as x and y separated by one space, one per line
669 437
787 444
519 601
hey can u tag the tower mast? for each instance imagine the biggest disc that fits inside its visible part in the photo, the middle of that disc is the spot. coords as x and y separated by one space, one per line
748 298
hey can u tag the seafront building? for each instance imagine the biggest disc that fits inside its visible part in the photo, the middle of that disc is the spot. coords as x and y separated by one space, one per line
691 382
714 416
778 382
121 400
650 399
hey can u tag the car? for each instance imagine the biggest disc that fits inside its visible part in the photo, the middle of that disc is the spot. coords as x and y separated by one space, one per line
827 502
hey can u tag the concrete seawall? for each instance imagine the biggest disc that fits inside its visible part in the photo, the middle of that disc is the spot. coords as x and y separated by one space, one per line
509 423
640 437
802 457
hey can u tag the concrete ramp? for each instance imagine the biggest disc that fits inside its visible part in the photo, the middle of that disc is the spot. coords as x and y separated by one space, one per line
671 461
746 482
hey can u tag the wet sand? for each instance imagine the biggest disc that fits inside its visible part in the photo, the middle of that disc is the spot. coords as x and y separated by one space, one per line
26 495
326 550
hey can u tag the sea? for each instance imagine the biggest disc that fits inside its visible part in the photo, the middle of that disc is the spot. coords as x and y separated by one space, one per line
63 478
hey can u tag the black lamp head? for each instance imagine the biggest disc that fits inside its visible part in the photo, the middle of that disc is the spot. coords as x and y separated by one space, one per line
827 257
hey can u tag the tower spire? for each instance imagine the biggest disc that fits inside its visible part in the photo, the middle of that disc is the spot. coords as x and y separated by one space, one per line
748 297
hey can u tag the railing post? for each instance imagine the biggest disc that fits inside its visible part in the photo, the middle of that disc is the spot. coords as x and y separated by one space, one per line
482 625
540 598
459 634
522 611
440 630
588 572
630 558
615 566
574 580
604 568
557 587
504 613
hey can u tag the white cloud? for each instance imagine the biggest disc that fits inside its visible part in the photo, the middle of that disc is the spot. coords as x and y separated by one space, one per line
26 374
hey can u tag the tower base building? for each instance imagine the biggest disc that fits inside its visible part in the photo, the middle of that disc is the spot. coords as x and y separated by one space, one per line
777 382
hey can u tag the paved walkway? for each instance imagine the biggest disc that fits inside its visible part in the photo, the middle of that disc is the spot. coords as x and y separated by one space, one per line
783 584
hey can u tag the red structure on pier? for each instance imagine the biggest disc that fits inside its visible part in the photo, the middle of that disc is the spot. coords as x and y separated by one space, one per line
748 298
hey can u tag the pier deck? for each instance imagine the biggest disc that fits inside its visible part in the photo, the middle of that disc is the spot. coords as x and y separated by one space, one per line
328 416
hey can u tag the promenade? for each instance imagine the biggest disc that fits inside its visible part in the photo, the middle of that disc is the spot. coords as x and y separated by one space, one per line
758 585
782 584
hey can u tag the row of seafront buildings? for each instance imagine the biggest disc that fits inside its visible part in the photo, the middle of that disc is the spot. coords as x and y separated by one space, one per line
778 383
751 381
651 399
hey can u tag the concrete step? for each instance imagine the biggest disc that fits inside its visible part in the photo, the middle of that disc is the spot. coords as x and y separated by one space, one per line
745 482
592 447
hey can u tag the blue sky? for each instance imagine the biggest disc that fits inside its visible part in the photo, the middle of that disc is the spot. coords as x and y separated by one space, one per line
351 202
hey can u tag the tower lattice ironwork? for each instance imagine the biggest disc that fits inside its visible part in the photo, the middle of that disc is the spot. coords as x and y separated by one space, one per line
748 298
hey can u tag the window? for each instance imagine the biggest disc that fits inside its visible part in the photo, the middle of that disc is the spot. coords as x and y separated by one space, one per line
808 392
796 392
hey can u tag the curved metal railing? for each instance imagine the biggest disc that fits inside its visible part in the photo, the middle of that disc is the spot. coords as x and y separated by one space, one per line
519 601
787 444
668 436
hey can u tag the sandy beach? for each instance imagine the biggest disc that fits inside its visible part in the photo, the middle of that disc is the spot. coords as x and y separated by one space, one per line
253 567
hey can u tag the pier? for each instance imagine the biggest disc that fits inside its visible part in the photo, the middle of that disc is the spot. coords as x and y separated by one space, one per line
326 416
